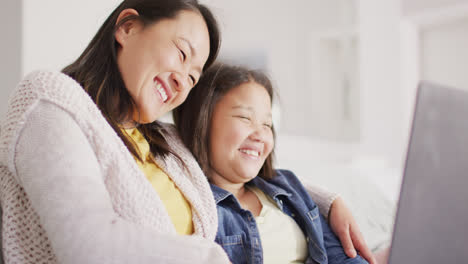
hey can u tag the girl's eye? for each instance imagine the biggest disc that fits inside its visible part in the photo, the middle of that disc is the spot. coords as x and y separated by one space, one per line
193 79
268 125
183 55
243 117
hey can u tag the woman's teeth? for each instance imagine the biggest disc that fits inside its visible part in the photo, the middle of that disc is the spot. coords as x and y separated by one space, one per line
161 91
250 152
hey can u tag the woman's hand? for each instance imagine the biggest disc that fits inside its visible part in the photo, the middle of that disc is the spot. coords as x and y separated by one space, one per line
343 224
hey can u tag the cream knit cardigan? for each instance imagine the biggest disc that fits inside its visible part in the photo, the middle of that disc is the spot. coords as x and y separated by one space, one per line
72 193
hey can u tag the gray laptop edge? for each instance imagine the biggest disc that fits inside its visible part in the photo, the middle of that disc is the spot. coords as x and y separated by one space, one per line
430 225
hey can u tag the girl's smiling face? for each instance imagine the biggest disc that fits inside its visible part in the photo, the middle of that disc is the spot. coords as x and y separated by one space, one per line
241 136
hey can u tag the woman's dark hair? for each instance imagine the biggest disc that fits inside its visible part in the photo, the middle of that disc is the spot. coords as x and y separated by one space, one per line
193 117
96 70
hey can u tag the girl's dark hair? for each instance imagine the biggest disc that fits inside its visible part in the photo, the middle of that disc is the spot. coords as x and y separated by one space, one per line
96 70
193 117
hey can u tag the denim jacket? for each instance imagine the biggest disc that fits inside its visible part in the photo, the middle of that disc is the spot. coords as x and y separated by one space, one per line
238 233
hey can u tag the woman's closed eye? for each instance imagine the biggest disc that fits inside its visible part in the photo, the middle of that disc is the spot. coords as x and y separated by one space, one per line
183 54
194 81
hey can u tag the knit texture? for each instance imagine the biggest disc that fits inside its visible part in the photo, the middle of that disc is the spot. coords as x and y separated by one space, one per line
132 196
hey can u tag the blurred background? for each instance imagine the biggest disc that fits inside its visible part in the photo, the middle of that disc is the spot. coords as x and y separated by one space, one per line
346 72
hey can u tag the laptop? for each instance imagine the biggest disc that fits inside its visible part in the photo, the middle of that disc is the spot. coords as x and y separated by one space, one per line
432 215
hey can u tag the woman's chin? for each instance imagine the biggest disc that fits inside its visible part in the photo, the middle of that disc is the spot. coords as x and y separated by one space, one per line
149 119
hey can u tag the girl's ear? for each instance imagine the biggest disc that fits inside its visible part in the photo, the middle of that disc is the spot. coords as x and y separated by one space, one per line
128 28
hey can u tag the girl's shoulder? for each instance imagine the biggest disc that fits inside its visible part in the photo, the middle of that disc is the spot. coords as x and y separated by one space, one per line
285 176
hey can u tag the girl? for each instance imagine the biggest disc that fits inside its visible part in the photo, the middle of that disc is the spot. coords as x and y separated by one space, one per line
264 215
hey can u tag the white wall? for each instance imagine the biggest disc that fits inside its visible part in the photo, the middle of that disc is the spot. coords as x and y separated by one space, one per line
331 71
46 34
382 113
55 32
411 7
10 50
444 53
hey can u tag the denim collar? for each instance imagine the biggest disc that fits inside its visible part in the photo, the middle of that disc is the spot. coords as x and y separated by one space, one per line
269 189
219 193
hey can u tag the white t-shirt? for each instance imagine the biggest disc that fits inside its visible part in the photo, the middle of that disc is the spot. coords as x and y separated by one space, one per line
282 239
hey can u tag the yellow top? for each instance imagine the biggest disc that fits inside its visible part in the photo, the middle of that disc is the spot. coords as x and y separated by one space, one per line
177 206
282 239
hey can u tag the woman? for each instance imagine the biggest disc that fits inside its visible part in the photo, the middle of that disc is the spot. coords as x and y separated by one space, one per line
265 215
71 190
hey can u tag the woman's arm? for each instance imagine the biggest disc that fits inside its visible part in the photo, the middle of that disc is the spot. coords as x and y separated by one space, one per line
341 221
322 197
344 225
335 251
60 174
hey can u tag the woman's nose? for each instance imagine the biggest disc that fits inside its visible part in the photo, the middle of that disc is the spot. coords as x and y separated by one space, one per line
180 81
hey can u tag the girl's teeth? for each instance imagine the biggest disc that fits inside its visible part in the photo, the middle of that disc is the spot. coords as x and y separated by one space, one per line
161 92
250 152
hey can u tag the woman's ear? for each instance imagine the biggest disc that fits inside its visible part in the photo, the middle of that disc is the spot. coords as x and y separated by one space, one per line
127 28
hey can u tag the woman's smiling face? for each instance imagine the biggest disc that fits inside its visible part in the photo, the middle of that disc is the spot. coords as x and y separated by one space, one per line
241 137
161 62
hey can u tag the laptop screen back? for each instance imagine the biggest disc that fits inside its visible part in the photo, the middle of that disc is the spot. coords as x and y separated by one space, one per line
432 217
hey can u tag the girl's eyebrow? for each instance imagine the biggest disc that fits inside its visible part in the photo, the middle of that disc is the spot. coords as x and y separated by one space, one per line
250 109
